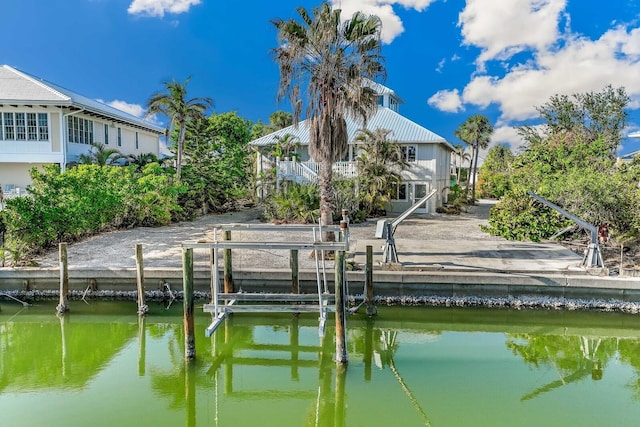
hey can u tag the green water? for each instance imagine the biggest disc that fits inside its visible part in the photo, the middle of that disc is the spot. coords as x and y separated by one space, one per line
99 366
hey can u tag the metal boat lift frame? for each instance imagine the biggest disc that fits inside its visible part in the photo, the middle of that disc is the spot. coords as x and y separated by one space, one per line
223 304
385 230
592 256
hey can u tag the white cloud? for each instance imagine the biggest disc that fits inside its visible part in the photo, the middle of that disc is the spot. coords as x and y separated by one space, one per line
557 61
391 23
507 135
502 28
133 109
581 65
160 7
447 100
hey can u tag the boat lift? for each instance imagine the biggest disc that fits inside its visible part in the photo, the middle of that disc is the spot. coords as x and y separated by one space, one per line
385 230
592 256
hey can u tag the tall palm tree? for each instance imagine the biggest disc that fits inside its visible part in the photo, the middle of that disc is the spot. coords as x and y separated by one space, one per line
100 155
475 131
335 59
173 104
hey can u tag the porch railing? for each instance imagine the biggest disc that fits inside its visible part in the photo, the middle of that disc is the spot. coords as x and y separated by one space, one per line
309 171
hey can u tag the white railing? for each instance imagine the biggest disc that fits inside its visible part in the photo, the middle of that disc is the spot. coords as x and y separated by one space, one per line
309 171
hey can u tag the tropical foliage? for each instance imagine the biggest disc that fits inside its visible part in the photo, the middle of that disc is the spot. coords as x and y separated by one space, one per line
100 155
380 161
569 160
494 177
296 203
173 104
334 58
286 146
218 164
85 200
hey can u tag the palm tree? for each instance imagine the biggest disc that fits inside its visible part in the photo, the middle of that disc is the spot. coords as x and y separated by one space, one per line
335 59
380 161
100 155
280 120
285 146
173 104
141 160
475 131
462 155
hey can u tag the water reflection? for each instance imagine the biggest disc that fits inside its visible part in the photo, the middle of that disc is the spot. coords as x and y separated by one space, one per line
412 370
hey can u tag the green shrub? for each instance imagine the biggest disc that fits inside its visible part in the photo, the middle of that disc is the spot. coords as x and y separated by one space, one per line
297 203
86 200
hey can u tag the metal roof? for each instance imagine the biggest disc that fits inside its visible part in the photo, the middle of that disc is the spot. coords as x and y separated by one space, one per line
402 130
20 88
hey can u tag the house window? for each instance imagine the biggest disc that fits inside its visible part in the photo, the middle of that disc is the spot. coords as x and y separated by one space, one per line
106 134
380 100
32 127
24 126
80 130
401 192
137 145
409 153
119 137
21 129
43 127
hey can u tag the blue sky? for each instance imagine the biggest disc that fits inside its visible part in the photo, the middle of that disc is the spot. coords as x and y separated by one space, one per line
447 59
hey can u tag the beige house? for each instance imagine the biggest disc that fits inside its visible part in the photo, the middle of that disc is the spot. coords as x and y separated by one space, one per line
42 123
428 154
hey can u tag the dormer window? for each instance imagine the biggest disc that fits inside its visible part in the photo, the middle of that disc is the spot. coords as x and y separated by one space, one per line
393 104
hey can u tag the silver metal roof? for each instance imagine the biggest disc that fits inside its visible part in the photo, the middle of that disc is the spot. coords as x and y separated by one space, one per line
402 130
20 88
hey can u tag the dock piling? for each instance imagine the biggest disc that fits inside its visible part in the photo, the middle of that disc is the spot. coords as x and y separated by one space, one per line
341 346
228 266
293 263
63 304
187 286
142 307
368 283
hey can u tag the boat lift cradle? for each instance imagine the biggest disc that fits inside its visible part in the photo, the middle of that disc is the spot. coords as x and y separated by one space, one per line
592 256
385 230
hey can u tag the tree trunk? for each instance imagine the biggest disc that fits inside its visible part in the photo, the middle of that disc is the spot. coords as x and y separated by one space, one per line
326 198
475 170
180 149
466 189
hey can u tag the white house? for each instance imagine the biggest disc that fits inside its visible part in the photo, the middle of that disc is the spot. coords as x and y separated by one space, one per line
42 123
428 154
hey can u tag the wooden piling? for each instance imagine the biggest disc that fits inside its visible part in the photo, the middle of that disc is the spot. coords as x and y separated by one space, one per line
63 304
341 347
340 401
293 263
187 287
368 282
228 266
214 276
142 307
